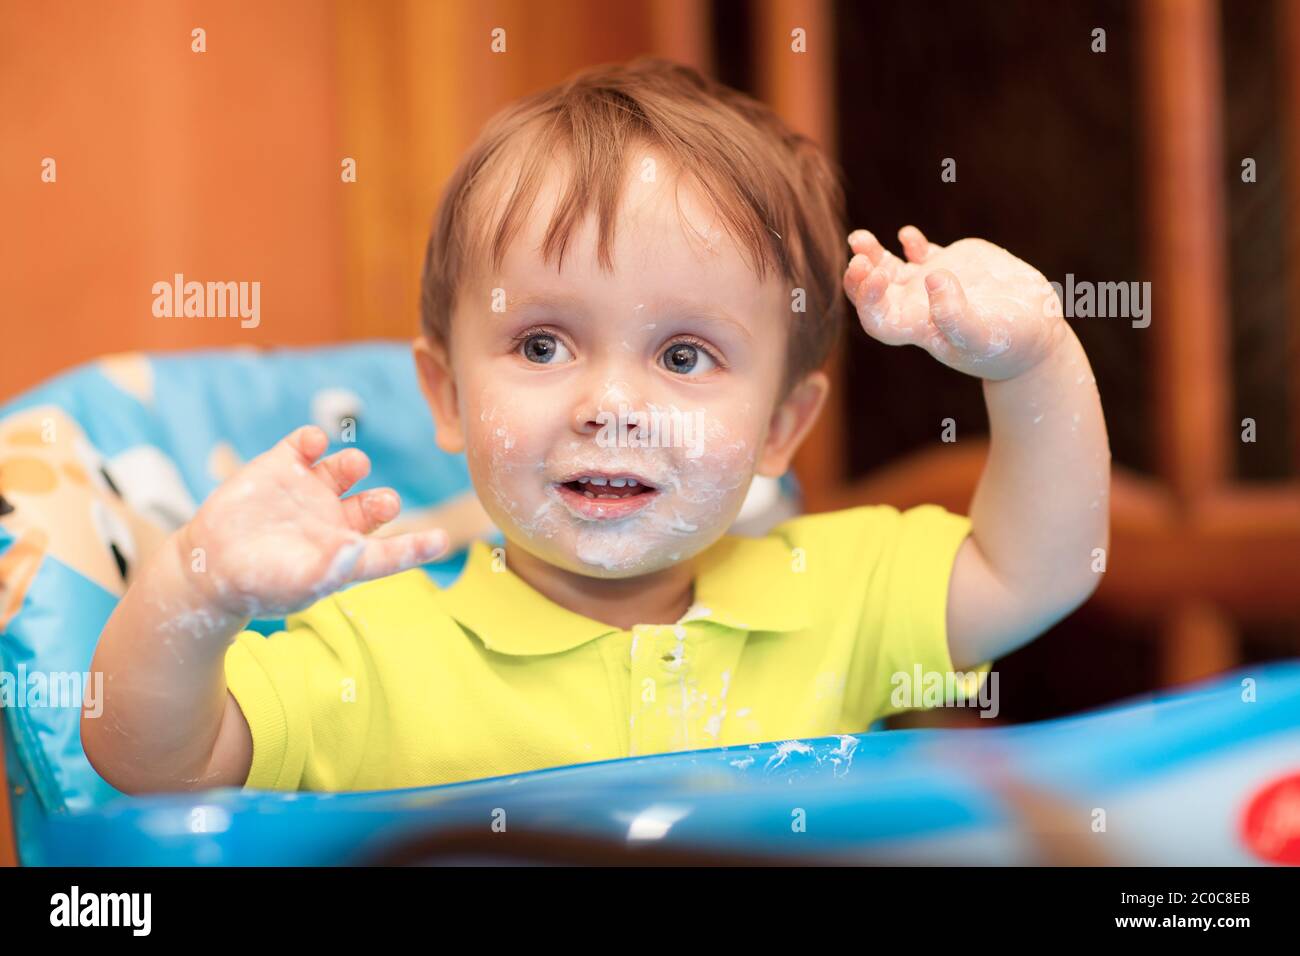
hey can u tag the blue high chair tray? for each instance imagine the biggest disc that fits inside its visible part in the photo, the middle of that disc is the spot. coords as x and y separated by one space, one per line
1200 777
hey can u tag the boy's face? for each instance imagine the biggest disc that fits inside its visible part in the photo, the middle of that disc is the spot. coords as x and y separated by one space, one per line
613 421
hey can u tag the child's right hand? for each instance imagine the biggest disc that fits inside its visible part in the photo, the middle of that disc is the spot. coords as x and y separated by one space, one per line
277 537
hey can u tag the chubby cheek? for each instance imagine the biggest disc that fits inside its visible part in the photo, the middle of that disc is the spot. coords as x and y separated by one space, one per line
713 471
506 443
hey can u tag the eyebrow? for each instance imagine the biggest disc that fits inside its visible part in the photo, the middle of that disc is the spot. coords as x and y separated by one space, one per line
546 299
699 310
659 305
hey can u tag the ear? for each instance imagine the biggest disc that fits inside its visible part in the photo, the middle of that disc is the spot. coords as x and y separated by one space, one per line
791 422
439 388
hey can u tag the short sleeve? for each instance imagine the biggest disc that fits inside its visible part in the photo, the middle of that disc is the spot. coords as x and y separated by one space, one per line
906 614
303 692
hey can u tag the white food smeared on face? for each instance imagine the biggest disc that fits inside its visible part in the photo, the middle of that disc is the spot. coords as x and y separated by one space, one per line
696 495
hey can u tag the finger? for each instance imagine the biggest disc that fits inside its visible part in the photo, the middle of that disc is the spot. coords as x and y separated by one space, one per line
915 246
343 469
306 444
872 303
950 312
892 265
863 242
343 565
368 510
385 556
859 268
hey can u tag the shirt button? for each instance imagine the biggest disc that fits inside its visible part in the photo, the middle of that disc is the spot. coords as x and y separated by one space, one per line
670 661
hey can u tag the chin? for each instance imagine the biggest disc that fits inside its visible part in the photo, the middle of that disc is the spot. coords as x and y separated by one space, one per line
594 564
607 555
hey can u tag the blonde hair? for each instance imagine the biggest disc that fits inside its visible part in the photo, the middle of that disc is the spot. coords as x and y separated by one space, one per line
779 197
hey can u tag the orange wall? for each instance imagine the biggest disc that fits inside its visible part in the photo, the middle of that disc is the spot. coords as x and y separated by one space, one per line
219 165
224 165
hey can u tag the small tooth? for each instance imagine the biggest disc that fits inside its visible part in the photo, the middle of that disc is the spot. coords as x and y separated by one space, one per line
631 482
583 480
618 482
598 481
589 494
608 496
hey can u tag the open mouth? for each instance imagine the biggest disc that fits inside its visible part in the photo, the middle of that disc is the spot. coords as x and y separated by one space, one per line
603 487
596 496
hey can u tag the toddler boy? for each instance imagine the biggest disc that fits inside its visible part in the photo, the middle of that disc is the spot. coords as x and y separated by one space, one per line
630 287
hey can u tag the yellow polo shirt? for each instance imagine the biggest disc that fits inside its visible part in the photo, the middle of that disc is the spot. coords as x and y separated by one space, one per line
398 683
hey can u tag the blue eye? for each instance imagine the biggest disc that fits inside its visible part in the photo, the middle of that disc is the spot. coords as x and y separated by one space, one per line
543 349
685 359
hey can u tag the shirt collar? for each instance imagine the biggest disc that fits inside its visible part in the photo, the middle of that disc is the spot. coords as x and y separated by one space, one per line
750 584
746 584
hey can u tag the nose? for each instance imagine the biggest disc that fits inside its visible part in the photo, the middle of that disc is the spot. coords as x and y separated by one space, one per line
606 401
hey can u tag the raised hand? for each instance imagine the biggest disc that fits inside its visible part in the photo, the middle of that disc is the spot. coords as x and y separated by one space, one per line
276 537
972 305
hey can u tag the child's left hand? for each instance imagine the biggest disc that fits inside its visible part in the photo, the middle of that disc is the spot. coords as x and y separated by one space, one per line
973 306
